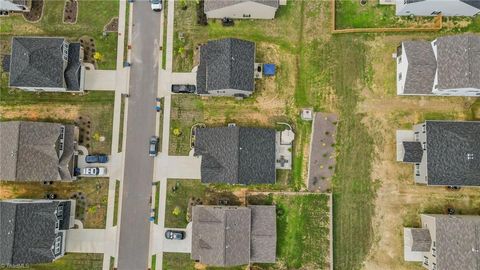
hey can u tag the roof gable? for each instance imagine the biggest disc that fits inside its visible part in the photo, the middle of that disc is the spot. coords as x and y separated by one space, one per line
422 66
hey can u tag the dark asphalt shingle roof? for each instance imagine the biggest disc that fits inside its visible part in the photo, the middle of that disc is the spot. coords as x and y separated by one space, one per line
457 242
226 64
458 61
413 152
38 62
236 155
422 67
72 72
453 153
221 235
30 151
27 232
421 239
473 3
228 236
217 4
264 234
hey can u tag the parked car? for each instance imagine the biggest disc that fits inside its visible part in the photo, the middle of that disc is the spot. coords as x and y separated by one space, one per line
92 171
153 146
156 5
184 88
227 22
96 159
174 235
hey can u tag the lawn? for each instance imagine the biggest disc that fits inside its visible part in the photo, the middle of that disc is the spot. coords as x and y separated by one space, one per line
92 211
92 17
71 261
116 205
63 108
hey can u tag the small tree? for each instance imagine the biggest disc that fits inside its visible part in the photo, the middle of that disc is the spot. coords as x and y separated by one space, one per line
176 211
177 132
98 56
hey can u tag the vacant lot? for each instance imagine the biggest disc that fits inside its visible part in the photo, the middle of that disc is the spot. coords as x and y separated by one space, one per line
91 210
92 16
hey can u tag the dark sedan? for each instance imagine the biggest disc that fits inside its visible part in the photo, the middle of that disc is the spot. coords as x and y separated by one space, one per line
184 88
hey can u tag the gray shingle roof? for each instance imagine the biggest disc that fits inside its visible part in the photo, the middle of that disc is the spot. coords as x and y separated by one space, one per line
457 242
226 64
27 232
422 67
473 3
413 152
30 151
38 62
264 234
458 61
421 240
236 155
228 236
72 72
453 153
221 235
217 4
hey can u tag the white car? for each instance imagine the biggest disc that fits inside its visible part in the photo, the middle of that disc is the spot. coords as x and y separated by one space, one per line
156 5
94 171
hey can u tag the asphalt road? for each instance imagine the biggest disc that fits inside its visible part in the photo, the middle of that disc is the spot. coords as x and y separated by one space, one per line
138 170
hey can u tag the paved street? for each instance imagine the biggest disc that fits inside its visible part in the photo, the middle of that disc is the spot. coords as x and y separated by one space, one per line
138 169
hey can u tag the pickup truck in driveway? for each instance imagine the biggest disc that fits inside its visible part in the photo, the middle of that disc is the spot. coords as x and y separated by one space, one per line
184 88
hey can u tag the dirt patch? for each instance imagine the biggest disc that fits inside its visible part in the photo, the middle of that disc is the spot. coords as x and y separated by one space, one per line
70 11
36 11
40 112
111 26
88 44
399 200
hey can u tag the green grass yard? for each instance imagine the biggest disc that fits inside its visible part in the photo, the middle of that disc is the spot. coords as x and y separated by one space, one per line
71 261
92 17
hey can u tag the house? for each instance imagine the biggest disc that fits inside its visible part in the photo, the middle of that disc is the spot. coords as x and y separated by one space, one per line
233 235
435 7
444 153
34 231
447 66
226 68
444 242
46 64
15 5
242 9
236 155
37 151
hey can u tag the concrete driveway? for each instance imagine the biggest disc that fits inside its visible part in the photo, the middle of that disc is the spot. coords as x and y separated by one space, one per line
100 79
160 244
85 241
179 167
184 78
179 246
